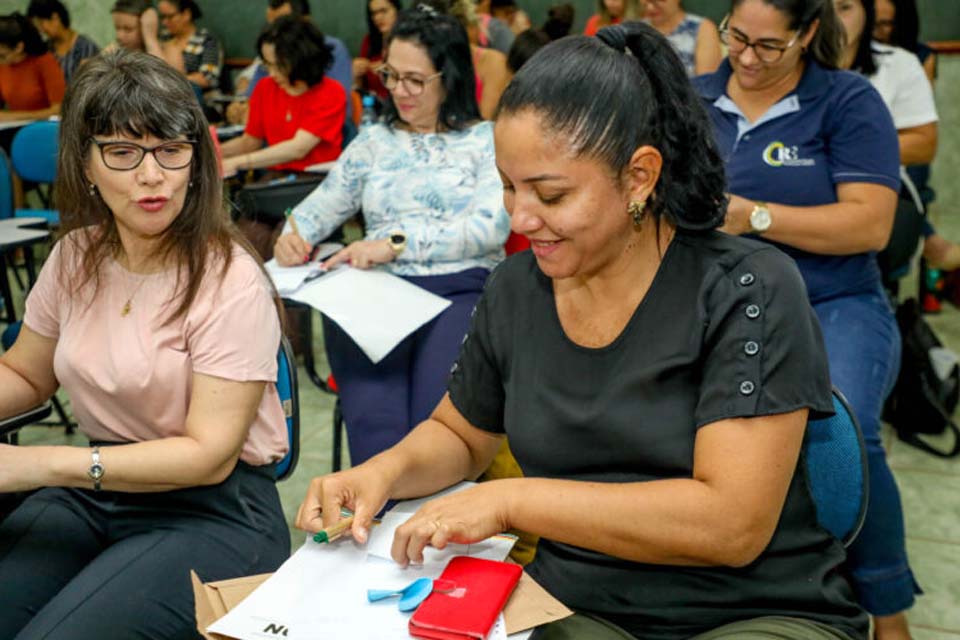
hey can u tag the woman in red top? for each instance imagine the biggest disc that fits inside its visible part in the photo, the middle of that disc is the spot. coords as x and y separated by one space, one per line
612 12
297 114
381 16
31 82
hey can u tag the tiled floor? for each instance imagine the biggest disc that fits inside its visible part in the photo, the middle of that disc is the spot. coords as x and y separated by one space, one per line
930 487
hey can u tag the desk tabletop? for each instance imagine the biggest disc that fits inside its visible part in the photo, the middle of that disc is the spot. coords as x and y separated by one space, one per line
11 237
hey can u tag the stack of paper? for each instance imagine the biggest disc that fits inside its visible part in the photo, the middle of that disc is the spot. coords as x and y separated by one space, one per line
320 592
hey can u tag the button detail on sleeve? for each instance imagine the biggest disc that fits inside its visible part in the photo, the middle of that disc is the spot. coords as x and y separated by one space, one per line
747 279
751 348
752 311
747 387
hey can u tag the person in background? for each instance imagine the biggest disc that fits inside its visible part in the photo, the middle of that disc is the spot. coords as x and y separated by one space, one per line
559 21
613 12
901 81
490 65
668 492
381 16
340 68
492 32
188 48
31 82
898 24
425 179
694 37
135 23
813 167
296 114
70 47
507 12
162 327
526 44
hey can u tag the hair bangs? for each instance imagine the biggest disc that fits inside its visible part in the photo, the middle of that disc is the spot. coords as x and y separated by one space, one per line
125 106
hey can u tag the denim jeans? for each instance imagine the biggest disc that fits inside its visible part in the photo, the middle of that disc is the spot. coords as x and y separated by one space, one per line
863 346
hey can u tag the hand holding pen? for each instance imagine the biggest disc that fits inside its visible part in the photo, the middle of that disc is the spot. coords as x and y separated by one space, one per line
291 249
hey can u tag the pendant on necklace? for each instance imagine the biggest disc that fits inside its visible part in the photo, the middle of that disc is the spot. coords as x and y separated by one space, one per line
126 309
289 116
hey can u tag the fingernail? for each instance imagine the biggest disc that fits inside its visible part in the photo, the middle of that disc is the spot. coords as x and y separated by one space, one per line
362 536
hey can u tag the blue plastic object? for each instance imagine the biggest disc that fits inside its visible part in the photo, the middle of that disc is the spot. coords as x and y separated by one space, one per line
410 596
836 467
290 401
34 151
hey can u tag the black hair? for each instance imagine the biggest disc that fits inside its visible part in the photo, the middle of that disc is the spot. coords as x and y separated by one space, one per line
574 85
827 44
302 52
445 42
299 7
863 61
906 25
502 4
44 9
374 37
131 7
16 28
559 21
188 5
524 46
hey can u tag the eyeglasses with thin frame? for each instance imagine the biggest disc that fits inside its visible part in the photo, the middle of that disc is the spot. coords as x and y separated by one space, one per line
412 83
765 51
127 156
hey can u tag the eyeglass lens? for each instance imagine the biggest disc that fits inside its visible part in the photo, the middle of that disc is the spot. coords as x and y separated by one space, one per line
124 156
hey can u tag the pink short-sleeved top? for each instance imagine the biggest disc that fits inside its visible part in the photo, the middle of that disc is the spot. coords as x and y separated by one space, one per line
129 377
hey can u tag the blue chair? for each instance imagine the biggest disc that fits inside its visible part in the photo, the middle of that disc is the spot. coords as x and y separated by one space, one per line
289 394
34 156
6 186
836 464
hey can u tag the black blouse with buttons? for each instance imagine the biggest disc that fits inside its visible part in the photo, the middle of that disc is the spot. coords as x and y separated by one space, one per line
724 331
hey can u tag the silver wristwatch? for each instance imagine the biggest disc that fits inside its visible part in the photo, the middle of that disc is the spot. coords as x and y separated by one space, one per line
95 472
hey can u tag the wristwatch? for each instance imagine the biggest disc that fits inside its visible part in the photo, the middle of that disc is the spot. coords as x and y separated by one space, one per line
760 217
95 472
398 242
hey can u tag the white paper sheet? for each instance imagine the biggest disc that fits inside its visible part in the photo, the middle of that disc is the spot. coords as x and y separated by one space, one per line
287 280
376 309
320 592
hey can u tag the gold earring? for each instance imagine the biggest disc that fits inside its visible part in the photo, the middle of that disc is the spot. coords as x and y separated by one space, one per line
636 209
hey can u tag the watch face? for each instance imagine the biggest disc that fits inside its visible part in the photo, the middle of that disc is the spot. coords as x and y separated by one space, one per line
96 471
397 238
760 219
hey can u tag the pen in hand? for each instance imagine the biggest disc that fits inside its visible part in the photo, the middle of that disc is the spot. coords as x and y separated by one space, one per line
288 214
331 533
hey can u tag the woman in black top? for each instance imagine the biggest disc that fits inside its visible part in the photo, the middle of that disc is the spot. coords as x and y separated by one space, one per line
654 376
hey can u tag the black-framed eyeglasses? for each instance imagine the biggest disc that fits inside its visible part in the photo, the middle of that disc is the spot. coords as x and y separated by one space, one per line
126 156
765 51
412 83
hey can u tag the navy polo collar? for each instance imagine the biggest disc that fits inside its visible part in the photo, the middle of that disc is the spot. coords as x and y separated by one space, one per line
814 82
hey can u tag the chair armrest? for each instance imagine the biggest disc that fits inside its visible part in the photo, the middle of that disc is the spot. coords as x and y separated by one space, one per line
12 423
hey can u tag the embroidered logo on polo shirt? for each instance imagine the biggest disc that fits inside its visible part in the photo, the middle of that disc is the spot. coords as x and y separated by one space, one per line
778 154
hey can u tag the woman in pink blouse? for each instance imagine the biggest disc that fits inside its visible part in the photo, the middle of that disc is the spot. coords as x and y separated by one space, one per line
159 323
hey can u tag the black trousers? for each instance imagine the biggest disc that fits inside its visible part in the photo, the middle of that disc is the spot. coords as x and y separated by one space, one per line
75 563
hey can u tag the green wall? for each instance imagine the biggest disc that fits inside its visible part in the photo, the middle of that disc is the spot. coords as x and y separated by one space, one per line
237 22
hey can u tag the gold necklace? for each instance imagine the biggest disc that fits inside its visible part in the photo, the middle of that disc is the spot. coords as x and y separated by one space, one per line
128 305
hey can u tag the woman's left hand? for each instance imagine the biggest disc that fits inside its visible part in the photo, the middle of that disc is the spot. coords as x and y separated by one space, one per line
19 469
362 254
737 221
464 517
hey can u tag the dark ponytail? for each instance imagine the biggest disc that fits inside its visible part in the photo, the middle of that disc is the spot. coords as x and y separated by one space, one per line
612 94
828 43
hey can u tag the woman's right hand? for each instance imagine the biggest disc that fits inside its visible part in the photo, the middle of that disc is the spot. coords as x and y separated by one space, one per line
360 67
290 250
363 490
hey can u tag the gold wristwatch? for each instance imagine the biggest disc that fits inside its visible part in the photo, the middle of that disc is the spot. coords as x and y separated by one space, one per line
397 241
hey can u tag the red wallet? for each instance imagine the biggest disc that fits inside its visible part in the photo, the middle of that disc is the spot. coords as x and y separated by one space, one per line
469 610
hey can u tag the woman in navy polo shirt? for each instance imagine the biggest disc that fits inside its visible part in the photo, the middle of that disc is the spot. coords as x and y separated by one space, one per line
812 167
